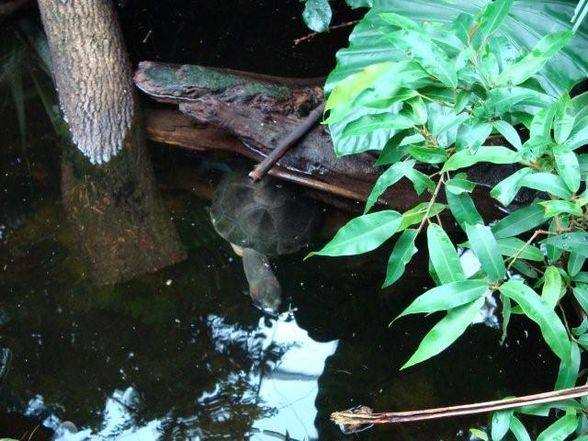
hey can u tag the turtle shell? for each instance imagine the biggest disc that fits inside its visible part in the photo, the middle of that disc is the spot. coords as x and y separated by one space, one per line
267 216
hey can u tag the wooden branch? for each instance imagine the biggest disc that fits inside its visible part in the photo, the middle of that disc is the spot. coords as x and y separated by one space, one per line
364 416
264 166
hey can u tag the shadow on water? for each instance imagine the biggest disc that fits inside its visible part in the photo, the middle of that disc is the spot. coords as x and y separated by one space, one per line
182 353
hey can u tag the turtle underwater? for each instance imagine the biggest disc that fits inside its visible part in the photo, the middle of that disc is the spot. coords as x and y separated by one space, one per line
261 220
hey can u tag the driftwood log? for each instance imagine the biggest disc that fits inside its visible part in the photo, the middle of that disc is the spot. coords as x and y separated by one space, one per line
249 114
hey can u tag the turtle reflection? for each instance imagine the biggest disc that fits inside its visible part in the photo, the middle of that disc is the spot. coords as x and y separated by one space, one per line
262 219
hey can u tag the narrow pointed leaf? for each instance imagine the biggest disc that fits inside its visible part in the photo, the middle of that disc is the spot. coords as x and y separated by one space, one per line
568 167
564 119
463 209
485 246
500 424
492 17
540 312
370 123
402 253
494 154
569 369
513 246
575 264
390 177
519 221
509 133
362 234
518 429
443 256
547 182
575 242
561 429
552 286
417 213
445 332
507 189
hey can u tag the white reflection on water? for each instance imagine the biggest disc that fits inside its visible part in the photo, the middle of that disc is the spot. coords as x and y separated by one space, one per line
284 379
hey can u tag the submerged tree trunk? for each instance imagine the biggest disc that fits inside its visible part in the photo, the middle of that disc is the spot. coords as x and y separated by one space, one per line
109 192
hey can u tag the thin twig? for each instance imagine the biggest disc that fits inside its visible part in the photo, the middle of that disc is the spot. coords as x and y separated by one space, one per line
310 36
290 140
366 417
431 202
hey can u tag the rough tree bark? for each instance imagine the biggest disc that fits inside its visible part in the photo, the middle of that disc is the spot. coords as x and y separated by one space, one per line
112 200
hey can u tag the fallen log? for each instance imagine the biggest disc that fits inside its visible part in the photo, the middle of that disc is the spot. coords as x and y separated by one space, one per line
250 114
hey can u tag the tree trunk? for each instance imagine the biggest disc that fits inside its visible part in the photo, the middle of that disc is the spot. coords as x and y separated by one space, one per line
112 200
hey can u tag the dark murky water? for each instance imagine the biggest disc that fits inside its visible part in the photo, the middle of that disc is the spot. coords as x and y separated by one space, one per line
182 354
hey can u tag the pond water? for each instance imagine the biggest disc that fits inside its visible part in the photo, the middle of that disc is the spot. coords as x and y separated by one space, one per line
182 353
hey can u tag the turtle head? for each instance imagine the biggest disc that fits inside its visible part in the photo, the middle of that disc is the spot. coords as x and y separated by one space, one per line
264 287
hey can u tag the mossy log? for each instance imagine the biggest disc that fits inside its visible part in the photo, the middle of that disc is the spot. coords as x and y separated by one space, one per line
250 113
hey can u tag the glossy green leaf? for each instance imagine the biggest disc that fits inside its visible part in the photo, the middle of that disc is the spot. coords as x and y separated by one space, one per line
494 154
575 242
463 209
569 369
557 207
446 297
402 253
542 122
417 213
472 135
575 264
553 253
507 189
446 331
491 18
486 249
362 234
525 269
535 308
580 292
552 286
564 119
547 182
432 58
428 155
519 221
317 15
581 277
360 3
400 21
420 181
500 424
513 246
561 429
443 255
393 151
509 133
545 49
503 100
459 184
390 177
518 429
369 123
568 167
478 435
419 110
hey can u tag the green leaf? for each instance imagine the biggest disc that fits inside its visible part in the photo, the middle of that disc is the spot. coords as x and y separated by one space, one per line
525 269
503 100
472 135
446 331
519 221
542 122
420 181
513 246
506 313
575 242
540 312
552 286
404 249
569 369
500 424
494 154
417 213
485 247
400 21
446 297
390 177
443 256
575 264
564 120
581 277
491 18
580 292
518 429
568 167
479 434
393 151
463 209
509 133
459 185
369 123
561 429
317 15
553 253
557 207
432 58
547 182
360 3
507 189
428 155
362 234
544 50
